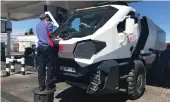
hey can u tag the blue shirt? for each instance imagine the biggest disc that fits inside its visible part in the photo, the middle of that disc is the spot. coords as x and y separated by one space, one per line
42 34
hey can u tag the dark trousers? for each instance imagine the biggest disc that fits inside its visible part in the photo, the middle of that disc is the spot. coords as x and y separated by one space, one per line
46 58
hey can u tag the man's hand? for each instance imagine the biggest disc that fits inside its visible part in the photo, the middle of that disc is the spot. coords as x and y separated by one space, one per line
58 38
50 36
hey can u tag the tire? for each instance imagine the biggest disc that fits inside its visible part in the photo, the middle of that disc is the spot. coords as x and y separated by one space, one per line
136 81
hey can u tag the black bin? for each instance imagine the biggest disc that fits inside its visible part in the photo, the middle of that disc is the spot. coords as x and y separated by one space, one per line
43 96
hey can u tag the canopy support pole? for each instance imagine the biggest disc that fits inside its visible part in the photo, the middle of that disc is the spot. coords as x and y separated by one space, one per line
8 38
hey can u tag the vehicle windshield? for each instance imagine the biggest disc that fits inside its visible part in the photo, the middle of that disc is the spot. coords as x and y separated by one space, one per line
81 23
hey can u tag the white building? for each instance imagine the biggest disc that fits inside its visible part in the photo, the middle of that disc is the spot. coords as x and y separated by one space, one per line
25 41
20 42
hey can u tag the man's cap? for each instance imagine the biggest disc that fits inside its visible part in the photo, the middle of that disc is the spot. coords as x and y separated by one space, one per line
42 16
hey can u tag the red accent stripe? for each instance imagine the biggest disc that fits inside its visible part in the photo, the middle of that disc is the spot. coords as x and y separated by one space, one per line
60 47
50 40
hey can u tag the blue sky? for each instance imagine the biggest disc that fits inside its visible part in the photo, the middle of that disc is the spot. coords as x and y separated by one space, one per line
158 11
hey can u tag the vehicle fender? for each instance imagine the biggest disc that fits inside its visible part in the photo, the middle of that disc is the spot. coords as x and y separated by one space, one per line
112 80
107 66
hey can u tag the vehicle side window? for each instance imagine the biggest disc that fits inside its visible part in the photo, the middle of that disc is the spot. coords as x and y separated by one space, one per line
121 25
75 24
133 15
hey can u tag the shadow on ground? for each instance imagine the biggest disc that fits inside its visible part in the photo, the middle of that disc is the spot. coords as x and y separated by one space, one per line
75 95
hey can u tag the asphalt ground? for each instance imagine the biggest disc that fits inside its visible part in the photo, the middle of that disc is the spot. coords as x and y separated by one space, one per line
18 88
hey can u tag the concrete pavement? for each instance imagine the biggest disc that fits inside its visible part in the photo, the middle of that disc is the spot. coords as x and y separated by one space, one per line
18 88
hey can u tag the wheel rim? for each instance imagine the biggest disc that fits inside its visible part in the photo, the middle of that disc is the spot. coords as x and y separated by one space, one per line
139 82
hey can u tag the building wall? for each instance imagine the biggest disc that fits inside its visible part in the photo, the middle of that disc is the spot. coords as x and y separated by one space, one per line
19 43
25 41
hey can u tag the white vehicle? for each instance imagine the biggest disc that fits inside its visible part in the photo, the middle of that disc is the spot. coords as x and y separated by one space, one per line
108 47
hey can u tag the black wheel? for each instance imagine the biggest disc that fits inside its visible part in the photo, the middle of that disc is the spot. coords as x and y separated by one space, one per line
136 80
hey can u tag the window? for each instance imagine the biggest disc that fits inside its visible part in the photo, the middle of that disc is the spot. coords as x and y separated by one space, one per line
75 24
81 24
134 16
84 22
121 25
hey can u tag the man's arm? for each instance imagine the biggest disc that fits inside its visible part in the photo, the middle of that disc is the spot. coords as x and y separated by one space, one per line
50 27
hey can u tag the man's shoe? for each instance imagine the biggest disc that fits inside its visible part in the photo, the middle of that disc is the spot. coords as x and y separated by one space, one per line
42 89
48 91
51 87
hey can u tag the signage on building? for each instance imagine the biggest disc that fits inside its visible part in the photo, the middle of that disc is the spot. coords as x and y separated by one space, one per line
3 26
6 26
4 37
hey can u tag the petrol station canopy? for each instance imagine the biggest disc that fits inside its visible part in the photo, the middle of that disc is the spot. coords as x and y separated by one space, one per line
23 10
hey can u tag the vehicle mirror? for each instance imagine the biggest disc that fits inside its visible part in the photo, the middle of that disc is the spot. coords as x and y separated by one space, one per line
130 23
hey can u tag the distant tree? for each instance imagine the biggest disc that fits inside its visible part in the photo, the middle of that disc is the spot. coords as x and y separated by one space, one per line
31 31
26 33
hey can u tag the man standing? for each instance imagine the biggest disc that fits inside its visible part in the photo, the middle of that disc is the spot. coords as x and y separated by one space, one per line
45 54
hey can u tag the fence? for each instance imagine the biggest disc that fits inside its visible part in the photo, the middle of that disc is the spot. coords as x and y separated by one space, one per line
10 65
